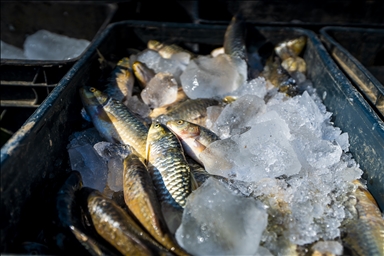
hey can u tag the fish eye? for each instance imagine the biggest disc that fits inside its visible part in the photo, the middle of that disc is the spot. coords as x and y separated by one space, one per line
180 122
157 125
92 89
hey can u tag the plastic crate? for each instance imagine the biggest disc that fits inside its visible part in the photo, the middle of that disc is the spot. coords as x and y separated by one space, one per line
301 13
24 84
39 147
360 54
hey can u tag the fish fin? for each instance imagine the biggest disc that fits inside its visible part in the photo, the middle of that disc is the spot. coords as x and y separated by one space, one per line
147 152
194 184
101 58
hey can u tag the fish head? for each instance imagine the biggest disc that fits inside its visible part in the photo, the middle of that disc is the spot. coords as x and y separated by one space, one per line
157 131
142 72
297 45
154 45
90 96
184 129
124 62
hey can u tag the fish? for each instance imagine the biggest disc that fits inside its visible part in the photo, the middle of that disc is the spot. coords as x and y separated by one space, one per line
290 48
194 138
279 77
142 73
114 121
121 81
167 50
234 38
165 153
365 235
141 199
293 64
119 229
69 222
192 110
234 47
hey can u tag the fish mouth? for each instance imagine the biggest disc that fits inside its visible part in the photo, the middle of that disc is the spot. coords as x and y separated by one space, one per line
85 91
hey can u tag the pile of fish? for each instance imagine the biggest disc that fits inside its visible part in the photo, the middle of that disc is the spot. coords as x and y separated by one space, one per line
214 155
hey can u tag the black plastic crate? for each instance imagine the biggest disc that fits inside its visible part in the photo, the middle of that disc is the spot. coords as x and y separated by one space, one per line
39 147
360 54
301 13
24 84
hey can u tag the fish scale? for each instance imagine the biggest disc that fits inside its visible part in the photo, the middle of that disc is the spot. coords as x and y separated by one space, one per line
164 152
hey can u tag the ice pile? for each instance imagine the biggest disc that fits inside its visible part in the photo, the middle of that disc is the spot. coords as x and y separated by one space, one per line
45 45
100 163
11 52
294 161
217 222
175 65
207 77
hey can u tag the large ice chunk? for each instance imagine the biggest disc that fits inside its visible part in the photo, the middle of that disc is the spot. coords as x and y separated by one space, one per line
45 45
138 106
235 116
84 158
217 222
263 151
114 155
207 77
175 65
160 91
213 112
255 86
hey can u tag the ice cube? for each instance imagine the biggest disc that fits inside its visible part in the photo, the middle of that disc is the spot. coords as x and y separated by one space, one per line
89 136
109 150
139 107
216 222
45 45
115 174
84 158
213 113
263 151
262 251
343 141
11 52
160 91
237 114
175 66
114 155
256 87
207 77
